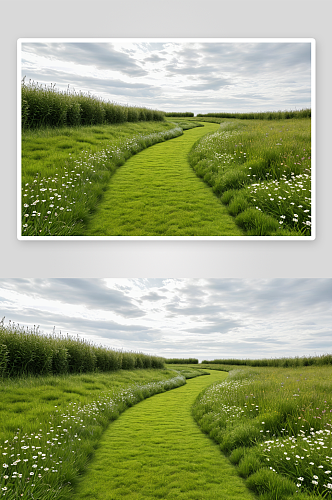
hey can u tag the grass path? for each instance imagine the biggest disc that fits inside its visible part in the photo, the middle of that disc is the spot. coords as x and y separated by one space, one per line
156 193
156 450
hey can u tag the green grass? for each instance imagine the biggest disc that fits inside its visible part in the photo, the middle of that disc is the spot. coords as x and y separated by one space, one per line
275 425
155 450
65 171
156 193
50 426
324 359
261 170
264 115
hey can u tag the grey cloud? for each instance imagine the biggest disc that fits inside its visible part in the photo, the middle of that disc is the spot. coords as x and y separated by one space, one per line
154 296
221 326
77 83
92 293
213 84
100 55
154 58
109 330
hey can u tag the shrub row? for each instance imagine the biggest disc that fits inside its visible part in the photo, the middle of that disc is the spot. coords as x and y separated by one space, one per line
46 107
178 361
267 115
26 351
325 359
179 114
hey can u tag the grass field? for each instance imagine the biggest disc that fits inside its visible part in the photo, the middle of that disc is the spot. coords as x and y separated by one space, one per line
275 426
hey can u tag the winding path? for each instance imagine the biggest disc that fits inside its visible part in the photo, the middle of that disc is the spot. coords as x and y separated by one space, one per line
156 450
156 193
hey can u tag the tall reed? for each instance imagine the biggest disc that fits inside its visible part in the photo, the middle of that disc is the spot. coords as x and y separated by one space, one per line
43 106
25 351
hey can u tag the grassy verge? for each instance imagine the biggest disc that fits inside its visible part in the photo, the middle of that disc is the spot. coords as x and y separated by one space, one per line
261 170
50 426
155 450
158 194
65 171
275 425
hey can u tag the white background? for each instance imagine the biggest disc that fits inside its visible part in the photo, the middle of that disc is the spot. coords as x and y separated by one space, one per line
160 18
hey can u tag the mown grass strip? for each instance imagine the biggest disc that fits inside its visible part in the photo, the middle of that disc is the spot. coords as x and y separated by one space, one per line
156 193
155 450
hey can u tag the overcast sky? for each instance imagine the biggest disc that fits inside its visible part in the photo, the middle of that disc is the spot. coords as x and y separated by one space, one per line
201 318
199 76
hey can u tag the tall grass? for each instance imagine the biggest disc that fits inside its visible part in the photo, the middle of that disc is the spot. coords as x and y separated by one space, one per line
275 424
182 361
262 171
47 107
25 352
179 114
264 115
324 359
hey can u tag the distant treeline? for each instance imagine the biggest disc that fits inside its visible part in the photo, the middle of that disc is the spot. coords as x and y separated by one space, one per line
46 107
26 352
267 115
325 359
179 114
177 361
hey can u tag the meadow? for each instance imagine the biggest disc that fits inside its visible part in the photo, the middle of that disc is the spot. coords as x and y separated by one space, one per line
260 169
274 424
258 165
271 419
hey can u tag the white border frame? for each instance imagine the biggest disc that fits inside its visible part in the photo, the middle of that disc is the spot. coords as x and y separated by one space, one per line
312 41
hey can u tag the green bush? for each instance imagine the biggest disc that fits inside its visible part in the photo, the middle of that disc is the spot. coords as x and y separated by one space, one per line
266 481
254 222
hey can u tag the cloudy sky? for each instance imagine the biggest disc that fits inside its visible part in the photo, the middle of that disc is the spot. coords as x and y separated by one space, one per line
199 76
201 318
